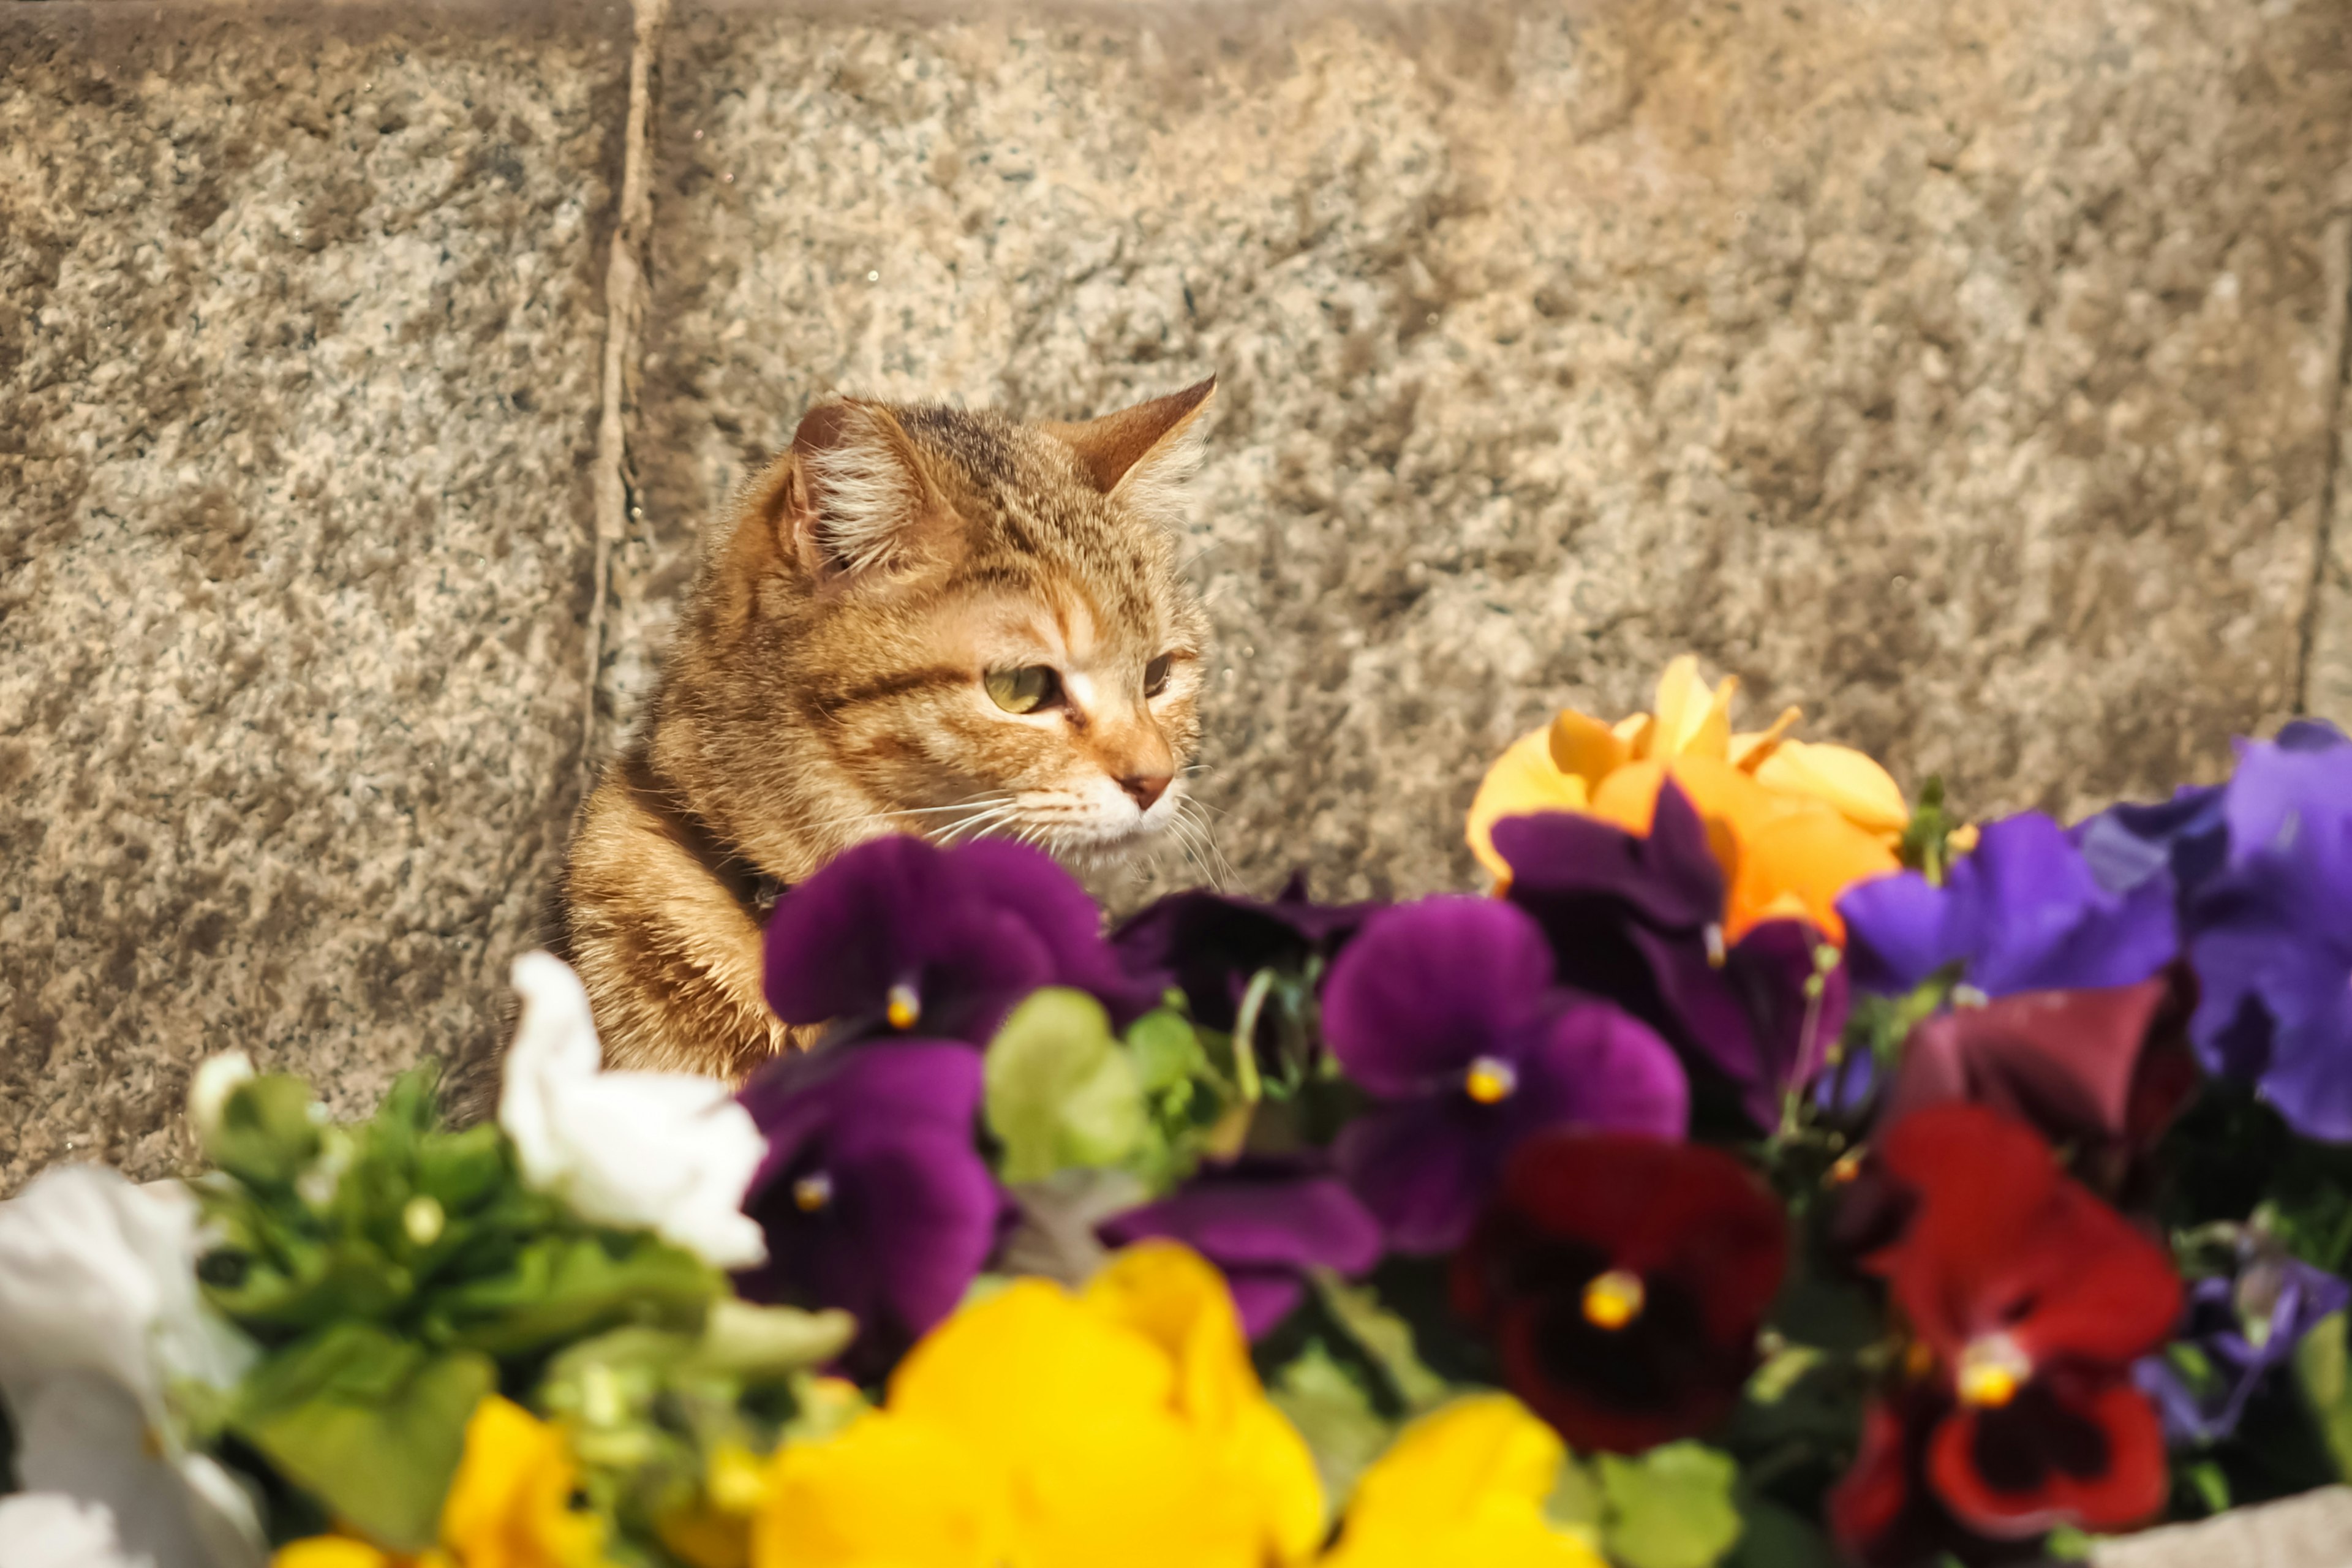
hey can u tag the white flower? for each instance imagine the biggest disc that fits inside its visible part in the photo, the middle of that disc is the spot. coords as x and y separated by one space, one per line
51 1530
671 1152
100 1317
208 1091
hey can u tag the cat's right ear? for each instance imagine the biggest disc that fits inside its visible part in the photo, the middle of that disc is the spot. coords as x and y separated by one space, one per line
856 501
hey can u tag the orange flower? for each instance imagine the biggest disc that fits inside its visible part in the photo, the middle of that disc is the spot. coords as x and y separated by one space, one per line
1793 824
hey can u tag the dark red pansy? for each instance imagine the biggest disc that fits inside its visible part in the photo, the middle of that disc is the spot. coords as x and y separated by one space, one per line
1622 1279
2029 1300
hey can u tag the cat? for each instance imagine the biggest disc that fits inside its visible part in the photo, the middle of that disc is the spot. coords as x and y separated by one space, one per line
917 619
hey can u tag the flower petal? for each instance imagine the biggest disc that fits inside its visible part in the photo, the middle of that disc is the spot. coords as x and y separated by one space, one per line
1427 987
1852 784
1523 780
2092 1458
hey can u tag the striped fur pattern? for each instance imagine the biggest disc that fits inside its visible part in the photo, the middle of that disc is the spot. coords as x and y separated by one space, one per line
827 685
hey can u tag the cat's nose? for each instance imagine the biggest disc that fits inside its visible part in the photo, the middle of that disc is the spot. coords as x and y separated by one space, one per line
1147 788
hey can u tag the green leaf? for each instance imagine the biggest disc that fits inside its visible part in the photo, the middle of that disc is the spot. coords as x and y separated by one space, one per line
1060 1092
373 1425
563 1287
2323 1363
1670 1508
1772 1536
1385 1337
1334 1414
1166 1049
265 1134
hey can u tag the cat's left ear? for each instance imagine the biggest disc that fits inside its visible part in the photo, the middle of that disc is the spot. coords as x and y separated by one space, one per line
1143 455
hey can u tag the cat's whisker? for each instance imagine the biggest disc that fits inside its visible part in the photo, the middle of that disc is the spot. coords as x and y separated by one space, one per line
981 822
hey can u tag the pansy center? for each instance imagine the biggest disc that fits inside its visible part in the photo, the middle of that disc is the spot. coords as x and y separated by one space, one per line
1993 1369
1717 955
1613 1300
813 1192
905 1009
1489 1081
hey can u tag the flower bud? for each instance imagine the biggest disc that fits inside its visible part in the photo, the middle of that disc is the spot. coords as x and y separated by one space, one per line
215 1079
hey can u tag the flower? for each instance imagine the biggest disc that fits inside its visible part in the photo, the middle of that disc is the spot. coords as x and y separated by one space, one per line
871 1193
509 1506
1622 1279
209 1087
1793 824
1444 1012
1639 919
897 933
1264 1224
2029 1300
2024 911
2270 936
2102 1070
1464 1484
1212 945
100 1318
1121 1425
2237 1332
668 1152
51 1529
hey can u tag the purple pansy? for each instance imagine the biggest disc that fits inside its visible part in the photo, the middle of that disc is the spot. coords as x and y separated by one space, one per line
897 935
1639 919
1212 945
2242 1329
873 1196
2022 912
1265 1223
2270 935
1445 1012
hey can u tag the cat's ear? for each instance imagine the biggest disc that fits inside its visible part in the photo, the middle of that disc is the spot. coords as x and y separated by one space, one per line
1143 455
859 500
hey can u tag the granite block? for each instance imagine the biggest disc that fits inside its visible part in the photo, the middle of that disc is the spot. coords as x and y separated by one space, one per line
300 322
1960 371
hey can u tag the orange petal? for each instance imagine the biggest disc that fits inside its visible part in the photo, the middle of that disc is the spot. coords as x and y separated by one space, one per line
1748 752
1728 801
1800 861
1692 721
1841 778
1523 780
1586 748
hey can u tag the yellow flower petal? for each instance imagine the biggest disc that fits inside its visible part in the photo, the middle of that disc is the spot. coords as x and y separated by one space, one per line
331 1551
1585 748
510 1504
888 1493
1841 778
1176 1298
1692 721
1523 780
1465 1485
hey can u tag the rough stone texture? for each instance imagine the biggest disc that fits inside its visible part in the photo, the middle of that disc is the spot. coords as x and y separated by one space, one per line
2327 670
2314 1531
300 334
1956 370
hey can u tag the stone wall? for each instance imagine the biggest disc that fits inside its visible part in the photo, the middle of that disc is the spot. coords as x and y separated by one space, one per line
1967 371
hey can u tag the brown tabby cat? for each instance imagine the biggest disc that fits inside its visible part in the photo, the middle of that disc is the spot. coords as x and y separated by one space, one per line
918 619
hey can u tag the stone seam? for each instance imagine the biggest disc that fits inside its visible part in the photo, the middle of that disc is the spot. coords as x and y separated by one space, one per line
625 302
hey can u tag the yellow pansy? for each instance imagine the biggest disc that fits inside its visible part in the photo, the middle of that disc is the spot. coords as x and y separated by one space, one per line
1464 1484
1046 1430
509 1506
1792 823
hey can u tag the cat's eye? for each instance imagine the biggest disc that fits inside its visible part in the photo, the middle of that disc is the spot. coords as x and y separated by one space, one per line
1155 676
1023 690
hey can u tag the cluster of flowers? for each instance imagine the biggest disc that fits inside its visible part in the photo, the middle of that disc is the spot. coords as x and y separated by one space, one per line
1768 1169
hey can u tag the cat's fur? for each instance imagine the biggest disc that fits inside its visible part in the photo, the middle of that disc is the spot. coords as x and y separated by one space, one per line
825 686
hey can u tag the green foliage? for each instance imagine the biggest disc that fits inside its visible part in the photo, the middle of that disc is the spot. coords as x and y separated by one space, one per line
397 1272
1061 1093
1672 1507
2322 1366
371 1424
1927 837
1334 1412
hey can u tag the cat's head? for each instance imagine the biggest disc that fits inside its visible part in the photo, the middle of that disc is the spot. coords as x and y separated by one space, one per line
944 621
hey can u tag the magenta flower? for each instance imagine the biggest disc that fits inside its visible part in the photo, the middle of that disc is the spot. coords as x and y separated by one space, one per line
873 1196
1639 920
1264 1223
898 934
1445 1012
